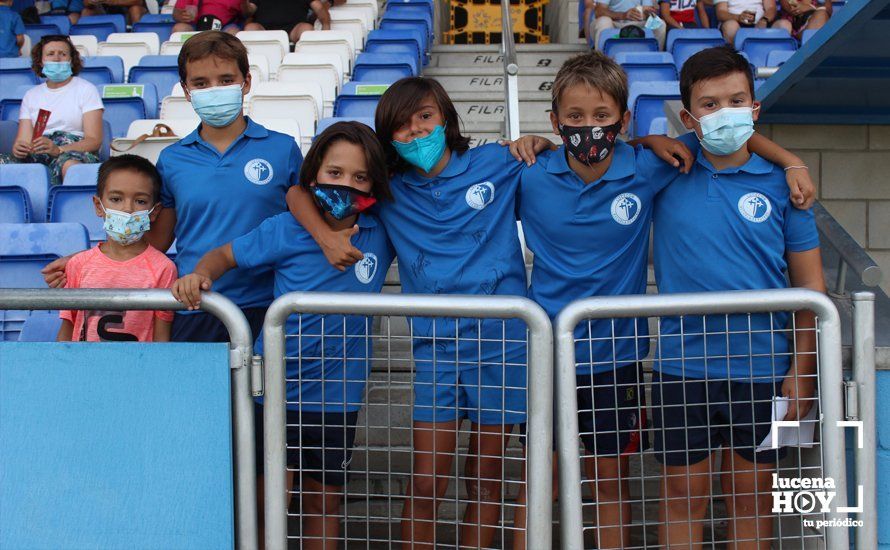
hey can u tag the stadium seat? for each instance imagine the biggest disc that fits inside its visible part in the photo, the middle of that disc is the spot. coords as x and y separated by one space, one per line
778 58
25 50
287 126
355 12
14 78
34 179
161 29
336 42
81 175
349 21
806 35
130 47
758 43
121 111
658 126
683 43
301 101
259 67
162 78
324 123
157 18
382 67
647 66
99 30
359 99
146 91
14 204
9 109
177 107
174 44
398 24
24 250
41 326
9 63
272 44
407 14
324 68
8 131
646 103
372 4
425 4
159 61
113 64
610 43
74 203
105 151
38 31
404 41
86 44
60 21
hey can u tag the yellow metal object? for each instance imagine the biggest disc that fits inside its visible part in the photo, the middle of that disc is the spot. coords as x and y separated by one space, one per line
479 22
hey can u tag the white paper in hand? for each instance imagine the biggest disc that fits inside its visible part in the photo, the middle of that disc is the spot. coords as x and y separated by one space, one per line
800 436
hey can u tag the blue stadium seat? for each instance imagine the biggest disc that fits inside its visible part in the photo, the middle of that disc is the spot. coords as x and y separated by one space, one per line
425 4
24 250
758 43
121 111
105 150
34 179
81 175
163 30
646 102
647 66
359 99
41 326
99 30
658 126
14 204
74 203
60 21
38 31
399 24
403 41
8 130
9 109
383 67
97 76
778 57
683 43
113 63
324 123
163 78
149 97
118 21
611 45
7 63
159 61
157 18
807 34
408 13
18 77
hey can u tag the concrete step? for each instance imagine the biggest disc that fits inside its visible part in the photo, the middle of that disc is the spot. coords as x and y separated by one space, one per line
484 111
478 56
488 79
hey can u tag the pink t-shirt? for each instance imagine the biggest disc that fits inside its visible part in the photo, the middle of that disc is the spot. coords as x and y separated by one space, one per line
93 269
224 10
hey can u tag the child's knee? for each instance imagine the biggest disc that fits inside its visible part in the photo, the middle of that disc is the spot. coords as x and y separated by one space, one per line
423 484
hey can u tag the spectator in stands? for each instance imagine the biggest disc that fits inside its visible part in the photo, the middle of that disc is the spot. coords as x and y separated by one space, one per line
680 14
133 10
735 14
293 17
12 31
128 194
345 170
203 15
615 14
716 390
801 15
73 131
71 8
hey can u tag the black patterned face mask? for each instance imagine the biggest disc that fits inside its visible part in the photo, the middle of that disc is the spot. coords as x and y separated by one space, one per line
590 144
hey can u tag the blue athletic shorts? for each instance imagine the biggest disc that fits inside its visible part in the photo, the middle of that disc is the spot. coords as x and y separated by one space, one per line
492 394
204 327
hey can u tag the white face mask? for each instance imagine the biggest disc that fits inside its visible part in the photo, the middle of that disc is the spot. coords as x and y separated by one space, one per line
725 131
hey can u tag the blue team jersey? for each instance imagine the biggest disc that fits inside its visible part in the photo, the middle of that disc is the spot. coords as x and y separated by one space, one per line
325 372
727 230
456 234
11 26
219 197
593 240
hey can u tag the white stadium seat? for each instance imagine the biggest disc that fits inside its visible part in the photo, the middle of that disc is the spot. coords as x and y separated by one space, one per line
130 53
259 67
87 45
352 23
172 46
365 3
361 13
287 126
301 101
150 39
324 68
338 42
272 44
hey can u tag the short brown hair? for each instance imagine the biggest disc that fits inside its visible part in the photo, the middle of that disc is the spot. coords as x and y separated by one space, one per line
132 163
595 70
401 101
212 43
37 54
712 63
356 133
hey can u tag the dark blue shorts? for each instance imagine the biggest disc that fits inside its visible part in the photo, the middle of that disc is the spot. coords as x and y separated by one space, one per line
204 327
318 444
693 418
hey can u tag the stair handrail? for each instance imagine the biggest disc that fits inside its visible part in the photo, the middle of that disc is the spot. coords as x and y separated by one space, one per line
511 74
850 254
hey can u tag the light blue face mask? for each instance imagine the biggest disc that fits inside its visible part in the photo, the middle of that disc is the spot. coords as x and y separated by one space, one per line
423 152
57 71
725 131
218 106
124 227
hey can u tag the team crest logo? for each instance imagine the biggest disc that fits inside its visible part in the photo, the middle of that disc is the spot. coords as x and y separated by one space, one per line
626 208
480 195
755 207
366 268
258 171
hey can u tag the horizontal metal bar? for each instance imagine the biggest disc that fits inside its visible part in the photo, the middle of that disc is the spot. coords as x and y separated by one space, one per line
847 247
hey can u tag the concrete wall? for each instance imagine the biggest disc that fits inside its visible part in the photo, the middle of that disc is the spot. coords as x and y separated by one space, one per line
851 168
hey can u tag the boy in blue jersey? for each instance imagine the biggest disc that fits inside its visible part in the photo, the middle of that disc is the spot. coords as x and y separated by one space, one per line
727 225
12 30
345 171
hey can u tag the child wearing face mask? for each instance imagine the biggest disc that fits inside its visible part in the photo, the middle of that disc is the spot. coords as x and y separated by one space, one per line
127 197
345 173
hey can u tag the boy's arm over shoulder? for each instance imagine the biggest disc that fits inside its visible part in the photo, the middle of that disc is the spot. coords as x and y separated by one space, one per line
268 243
797 176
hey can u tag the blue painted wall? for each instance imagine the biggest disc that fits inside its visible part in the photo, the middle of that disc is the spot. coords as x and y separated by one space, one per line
883 457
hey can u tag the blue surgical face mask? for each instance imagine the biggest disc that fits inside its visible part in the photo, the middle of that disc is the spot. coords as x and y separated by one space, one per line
725 131
57 71
124 227
424 152
218 106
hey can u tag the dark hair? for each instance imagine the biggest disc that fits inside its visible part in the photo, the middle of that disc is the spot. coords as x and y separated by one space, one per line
213 43
37 54
399 103
356 133
712 63
133 163
593 69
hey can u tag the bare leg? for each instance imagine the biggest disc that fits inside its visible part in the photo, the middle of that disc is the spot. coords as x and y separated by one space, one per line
612 492
685 500
483 473
748 497
254 27
68 164
298 30
782 24
817 20
183 27
321 514
520 516
730 28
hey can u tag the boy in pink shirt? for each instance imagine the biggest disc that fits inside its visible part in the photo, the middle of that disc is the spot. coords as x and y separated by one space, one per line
128 198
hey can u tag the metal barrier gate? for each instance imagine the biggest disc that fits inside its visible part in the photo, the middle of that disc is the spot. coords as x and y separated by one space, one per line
701 514
339 346
240 352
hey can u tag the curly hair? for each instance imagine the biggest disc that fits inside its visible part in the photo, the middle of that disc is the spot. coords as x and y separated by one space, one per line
37 54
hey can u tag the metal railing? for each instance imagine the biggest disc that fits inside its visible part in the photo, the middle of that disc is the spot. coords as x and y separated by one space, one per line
511 74
851 255
696 310
240 352
384 454
865 410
